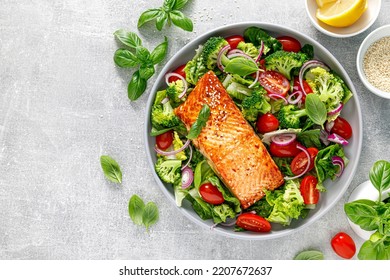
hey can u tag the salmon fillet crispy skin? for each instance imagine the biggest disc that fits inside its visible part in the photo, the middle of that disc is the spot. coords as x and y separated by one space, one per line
229 143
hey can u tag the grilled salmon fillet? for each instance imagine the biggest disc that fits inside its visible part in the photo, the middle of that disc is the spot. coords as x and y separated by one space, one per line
229 143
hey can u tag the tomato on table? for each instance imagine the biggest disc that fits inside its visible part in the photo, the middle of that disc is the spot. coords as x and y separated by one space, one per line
179 70
274 82
164 141
343 245
299 162
267 123
234 41
289 150
342 127
309 190
253 222
297 86
211 194
289 44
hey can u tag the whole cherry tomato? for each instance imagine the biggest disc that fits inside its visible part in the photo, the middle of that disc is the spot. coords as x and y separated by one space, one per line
267 123
211 194
289 44
164 141
343 245
234 41
342 127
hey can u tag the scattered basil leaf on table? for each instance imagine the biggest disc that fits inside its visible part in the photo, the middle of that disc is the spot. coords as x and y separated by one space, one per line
310 255
200 122
111 169
136 209
150 215
168 13
137 56
316 110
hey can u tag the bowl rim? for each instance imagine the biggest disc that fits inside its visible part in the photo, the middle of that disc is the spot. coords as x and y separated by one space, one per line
337 35
360 57
196 41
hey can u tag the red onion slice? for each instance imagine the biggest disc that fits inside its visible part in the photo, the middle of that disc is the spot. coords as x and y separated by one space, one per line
302 148
324 137
329 126
221 52
187 177
335 138
284 139
307 65
276 96
255 81
297 99
261 50
336 110
240 54
165 100
185 84
161 152
189 159
336 160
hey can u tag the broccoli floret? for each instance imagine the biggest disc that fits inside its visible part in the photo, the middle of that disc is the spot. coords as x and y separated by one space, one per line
195 68
210 51
290 116
168 170
173 91
163 116
330 88
177 144
255 104
249 49
284 62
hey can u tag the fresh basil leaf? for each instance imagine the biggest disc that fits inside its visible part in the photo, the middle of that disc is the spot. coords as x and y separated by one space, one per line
310 255
161 20
179 4
255 35
180 20
310 138
130 39
125 58
136 209
316 110
200 122
362 214
374 251
143 55
202 172
146 71
169 4
111 169
148 15
136 86
380 175
159 53
241 66
150 215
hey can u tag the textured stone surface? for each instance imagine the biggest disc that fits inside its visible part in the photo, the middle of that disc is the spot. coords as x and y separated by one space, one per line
63 103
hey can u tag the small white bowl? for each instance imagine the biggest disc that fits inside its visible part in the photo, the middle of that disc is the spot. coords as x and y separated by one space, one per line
374 36
362 24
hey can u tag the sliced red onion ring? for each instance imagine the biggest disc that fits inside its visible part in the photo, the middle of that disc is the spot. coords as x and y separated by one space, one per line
187 177
297 99
240 54
329 126
222 52
165 100
229 222
302 148
336 110
276 96
337 139
310 64
261 50
324 137
185 85
172 152
284 139
255 81
336 160
189 159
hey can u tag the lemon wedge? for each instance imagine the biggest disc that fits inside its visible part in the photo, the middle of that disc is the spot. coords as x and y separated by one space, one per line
322 3
341 13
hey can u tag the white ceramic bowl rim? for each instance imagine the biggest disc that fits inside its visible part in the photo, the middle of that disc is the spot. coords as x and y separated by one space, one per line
273 28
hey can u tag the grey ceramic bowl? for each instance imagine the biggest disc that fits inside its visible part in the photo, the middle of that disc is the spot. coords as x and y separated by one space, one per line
352 112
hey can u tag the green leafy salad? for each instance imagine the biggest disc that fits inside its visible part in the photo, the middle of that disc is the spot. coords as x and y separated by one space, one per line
292 101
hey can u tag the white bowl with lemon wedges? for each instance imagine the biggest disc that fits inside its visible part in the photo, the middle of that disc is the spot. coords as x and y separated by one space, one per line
343 18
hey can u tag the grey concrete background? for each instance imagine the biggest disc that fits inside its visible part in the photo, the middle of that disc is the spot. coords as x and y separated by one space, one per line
63 103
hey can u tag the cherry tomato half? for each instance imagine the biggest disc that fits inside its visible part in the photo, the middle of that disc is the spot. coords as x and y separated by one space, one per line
343 245
267 123
253 222
164 141
274 82
306 86
289 150
299 162
211 194
289 44
179 70
309 190
342 127
234 41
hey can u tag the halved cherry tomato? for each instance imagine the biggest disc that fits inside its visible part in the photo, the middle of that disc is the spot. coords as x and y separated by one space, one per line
306 86
267 123
234 41
289 150
211 194
289 44
342 127
309 190
274 82
164 141
253 222
343 245
179 70
299 162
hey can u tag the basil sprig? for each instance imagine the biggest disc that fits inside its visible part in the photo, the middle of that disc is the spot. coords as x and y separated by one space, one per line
111 169
316 110
134 55
167 14
374 215
142 214
200 122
